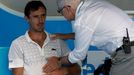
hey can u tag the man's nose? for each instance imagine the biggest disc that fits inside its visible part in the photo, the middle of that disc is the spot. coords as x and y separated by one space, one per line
41 19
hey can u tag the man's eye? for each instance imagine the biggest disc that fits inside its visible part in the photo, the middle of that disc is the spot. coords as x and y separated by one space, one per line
35 16
44 15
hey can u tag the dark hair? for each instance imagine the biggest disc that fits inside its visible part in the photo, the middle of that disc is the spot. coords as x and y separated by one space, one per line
33 6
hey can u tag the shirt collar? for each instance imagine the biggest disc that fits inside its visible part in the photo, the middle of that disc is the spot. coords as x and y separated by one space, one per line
82 6
30 40
47 38
79 6
28 37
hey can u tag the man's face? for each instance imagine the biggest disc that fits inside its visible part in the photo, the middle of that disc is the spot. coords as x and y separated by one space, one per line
37 19
68 12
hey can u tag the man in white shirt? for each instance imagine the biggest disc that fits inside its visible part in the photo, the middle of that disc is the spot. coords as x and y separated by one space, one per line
30 52
99 23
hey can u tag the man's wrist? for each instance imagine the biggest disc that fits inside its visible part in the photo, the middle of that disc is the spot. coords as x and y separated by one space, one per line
64 61
68 60
59 62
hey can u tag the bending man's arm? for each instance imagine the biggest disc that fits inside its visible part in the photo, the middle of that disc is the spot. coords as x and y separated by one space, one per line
82 42
63 36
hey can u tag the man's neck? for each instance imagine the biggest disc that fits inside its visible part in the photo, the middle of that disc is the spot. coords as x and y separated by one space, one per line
38 37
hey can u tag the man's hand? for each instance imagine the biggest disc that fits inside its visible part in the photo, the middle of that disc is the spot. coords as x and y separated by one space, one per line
52 64
61 71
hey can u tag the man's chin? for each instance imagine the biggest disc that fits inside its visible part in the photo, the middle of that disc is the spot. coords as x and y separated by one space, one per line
40 30
69 19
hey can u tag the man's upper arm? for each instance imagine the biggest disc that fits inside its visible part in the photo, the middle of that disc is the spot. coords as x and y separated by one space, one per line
15 56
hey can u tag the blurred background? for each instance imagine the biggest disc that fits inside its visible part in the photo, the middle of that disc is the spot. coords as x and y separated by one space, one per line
126 5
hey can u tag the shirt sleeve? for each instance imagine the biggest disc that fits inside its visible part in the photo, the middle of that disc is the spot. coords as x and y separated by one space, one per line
83 37
15 56
65 50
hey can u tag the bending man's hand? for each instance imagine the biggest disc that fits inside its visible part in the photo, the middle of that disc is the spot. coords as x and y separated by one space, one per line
52 64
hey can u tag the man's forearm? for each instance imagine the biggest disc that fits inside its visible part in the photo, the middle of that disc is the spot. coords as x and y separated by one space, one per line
70 36
17 71
66 36
73 69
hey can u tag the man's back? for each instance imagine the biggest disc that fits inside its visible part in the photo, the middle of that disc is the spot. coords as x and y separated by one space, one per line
103 20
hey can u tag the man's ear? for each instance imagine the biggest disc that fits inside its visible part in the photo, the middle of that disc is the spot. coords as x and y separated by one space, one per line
27 18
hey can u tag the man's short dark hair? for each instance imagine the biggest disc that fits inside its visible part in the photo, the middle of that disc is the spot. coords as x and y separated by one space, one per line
33 6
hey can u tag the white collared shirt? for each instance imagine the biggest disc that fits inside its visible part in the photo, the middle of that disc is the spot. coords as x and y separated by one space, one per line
28 54
101 24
